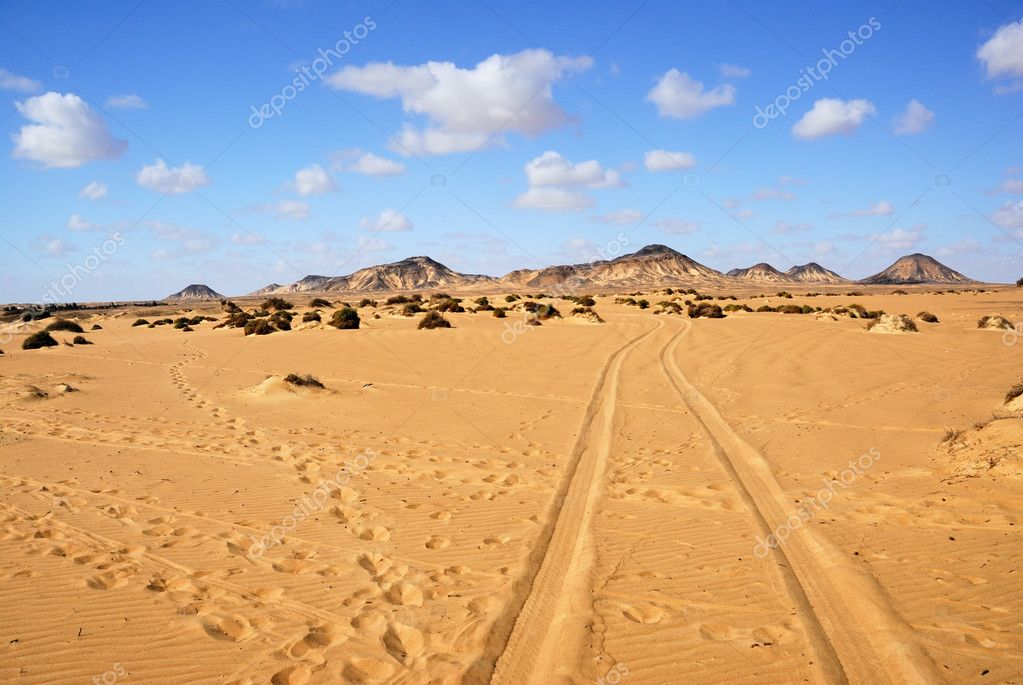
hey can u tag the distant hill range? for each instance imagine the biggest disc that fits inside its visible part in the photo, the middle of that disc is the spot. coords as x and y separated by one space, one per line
196 291
651 266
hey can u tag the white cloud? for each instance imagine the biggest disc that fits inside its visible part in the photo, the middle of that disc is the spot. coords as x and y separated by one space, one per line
128 101
20 84
313 180
374 165
916 119
1009 215
675 226
882 208
733 71
663 160
680 97
93 190
53 246
784 227
773 194
172 180
831 116
551 169
188 242
901 238
965 246
467 108
554 200
368 244
76 223
387 220
619 217
247 239
1012 186
1002 54
290 209
66 133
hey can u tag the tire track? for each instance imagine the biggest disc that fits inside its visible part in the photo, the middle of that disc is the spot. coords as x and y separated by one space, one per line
542 635
855 632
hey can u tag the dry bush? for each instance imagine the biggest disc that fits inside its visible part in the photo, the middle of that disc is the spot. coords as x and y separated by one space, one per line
706 311
306 381
96 327
434 319
38 340
64 325
311 316
411 309
276 303
928 317
317 302
81 340
499 313
258 327
1014 392
140 322
345 319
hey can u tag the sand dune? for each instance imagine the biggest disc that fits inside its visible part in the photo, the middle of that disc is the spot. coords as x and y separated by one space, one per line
766 497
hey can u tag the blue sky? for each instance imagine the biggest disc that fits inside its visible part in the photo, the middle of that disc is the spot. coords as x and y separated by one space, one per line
493 137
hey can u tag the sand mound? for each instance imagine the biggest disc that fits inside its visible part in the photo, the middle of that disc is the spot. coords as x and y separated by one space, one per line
892 323
1014 398
585 315
994 449
995 322
275 387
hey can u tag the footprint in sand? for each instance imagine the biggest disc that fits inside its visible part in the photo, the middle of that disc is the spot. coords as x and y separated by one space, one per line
233 628
642 613
376 534
108 580
365 670
719 632
296 674
438 542
403 642
405 594
318 637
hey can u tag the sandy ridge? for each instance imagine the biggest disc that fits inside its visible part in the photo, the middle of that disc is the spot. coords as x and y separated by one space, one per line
849 619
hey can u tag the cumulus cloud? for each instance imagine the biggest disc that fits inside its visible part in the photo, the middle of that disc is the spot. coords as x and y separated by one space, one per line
247 239
1002 54
679 96
290 209
773 194
185 242
369 244
387 220
19 84
65 133
676 226
467 108
552 169
93 190
554 200
313 180
663 160
172 180
901 238
881 208
370 164
76 223
128 101
52 246
619 217
1009 215
831 116
1011 186
916 119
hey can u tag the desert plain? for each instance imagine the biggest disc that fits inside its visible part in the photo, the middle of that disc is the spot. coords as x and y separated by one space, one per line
765 497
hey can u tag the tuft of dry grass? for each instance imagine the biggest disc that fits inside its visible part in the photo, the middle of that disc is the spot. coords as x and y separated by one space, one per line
928 317
38 340
306 381
952 435
1014 392
434 319
64 325
81 340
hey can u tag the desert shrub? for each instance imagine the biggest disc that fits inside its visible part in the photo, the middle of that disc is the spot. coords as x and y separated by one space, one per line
403 299
276 303
483 304
669 306
80 340
499 313
951 435
96 327
1014 392
449 304
786 295
411 309
38 340
642 304
530 306
229 306
994 322
510 298
698 297
311 316
306 381
345 319
434 319
65 325
181 323
547 311
899 292
140 322
587 301
854 293
705 310
186 329
738 308
258 327
318 302
766 308
237 319
928 317
281 323
1019 283
366 302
